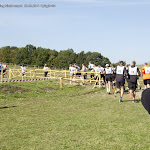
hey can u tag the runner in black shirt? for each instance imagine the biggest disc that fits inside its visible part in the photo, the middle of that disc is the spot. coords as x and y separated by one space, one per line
132 79
120 79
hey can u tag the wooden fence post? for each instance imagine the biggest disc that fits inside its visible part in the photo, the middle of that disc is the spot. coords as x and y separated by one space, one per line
10 74
35 74
65 74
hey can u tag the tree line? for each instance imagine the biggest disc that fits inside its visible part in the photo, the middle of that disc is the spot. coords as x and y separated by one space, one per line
31 55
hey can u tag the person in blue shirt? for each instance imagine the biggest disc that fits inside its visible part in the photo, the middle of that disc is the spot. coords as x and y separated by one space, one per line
91 68
1 66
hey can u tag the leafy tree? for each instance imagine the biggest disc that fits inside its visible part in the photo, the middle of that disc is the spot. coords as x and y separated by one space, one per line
65 58
81 58
96 58
31 55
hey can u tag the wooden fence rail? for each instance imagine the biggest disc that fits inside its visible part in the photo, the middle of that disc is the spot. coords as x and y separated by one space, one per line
64 76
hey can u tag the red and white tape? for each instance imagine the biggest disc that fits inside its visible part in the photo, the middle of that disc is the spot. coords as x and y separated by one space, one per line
27 80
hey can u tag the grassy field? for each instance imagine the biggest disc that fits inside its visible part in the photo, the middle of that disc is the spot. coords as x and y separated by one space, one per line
40 116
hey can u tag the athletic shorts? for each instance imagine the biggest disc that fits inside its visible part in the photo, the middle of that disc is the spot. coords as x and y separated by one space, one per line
146 81
92 75
78 74
132 86
108 77
45 74
120 84
113 77
4 71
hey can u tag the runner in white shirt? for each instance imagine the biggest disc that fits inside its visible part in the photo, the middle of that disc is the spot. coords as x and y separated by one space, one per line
23 68
108 72
72 69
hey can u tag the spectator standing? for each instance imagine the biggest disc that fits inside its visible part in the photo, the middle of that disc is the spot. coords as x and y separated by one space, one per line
45 70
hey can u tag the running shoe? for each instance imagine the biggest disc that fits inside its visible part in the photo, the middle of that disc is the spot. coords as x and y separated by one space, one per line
120 100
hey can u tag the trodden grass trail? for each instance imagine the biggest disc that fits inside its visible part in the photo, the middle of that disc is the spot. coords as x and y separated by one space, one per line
40 116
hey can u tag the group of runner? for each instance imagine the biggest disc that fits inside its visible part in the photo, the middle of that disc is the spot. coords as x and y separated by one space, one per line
131 74
112 77
115 77
120 74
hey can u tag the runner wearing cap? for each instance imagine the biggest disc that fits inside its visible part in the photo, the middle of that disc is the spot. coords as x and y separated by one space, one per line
146 75
120 80
108 72
132 79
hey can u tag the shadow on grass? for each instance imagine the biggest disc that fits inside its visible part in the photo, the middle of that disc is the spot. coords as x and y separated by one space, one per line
136 100
7 107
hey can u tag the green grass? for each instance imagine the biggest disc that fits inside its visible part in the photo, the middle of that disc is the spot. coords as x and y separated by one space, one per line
40 116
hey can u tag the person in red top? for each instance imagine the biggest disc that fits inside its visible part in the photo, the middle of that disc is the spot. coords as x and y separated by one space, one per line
146 75
4 69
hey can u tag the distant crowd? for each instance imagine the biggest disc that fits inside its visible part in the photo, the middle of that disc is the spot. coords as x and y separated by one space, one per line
115 77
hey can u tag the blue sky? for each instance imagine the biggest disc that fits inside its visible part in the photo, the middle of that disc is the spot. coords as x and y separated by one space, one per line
118 29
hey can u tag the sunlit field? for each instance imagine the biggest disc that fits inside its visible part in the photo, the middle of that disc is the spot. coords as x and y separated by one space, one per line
41 116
